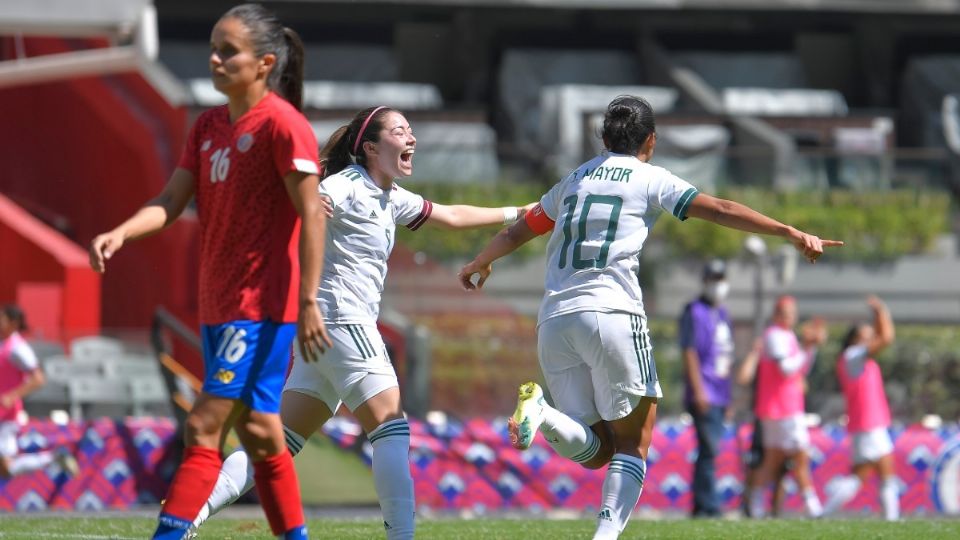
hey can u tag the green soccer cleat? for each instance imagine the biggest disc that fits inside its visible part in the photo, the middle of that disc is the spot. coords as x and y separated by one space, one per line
527 418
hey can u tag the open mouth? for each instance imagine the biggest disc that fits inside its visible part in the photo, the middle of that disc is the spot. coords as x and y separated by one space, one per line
406 158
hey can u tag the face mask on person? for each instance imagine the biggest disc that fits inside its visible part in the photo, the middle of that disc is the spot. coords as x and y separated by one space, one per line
716 291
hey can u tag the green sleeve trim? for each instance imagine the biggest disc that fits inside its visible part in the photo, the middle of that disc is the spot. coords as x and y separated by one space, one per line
680 211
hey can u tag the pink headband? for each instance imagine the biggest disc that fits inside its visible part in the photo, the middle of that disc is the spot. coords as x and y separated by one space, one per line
356 144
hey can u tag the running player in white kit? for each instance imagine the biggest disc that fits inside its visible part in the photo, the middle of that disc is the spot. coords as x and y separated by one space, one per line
593 341
361 161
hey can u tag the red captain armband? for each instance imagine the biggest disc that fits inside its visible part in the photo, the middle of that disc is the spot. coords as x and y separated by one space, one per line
538 220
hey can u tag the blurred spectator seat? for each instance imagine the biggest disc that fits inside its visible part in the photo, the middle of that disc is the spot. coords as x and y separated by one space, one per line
784 102
348 95
129 367
562 109
341 95
776 69
101 382
341 76
50 397
96 396
46 349
149 396
525 72
63 369
95 348
926 81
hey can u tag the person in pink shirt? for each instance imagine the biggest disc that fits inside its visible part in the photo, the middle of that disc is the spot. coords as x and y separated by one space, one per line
20 374
868 412
779 404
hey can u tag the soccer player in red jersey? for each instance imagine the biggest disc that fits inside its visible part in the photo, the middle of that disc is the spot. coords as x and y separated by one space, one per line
253 166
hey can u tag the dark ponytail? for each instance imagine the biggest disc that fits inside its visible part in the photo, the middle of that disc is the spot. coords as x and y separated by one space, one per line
851 337
290 85
268 36
337 154
627 124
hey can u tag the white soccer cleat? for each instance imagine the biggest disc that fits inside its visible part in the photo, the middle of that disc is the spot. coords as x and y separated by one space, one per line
528 416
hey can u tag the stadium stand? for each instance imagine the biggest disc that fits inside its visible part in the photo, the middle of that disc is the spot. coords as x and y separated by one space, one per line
99 378
525 73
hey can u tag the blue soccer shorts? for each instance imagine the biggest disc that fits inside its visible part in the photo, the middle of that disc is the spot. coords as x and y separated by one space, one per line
247 360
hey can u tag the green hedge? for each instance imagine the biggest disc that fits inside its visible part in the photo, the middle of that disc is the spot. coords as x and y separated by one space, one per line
446 245
876 226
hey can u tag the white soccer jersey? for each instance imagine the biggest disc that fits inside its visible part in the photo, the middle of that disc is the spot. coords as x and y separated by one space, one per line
359 240
603 212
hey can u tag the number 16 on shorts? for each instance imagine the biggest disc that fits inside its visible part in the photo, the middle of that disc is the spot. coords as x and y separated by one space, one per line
247 360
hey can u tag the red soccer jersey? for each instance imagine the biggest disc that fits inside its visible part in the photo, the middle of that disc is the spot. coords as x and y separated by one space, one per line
249 265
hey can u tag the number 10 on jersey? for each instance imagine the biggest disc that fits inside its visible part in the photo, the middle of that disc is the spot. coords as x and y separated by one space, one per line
577 238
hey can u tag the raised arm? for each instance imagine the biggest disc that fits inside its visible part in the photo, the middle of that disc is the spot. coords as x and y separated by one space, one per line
748 367
311 333
882 324
741 217
157 214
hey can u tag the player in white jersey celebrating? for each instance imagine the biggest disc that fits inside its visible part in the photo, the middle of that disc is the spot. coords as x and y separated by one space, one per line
593 342
361 162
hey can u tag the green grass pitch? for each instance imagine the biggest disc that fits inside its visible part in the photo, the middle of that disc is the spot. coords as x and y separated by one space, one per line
92 528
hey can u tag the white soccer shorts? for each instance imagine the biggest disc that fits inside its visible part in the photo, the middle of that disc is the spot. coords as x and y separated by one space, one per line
597 365
353 371
870 446
788 434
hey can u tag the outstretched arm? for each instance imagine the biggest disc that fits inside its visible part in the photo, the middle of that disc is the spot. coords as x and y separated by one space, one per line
505 242
462 216
738 216
158 213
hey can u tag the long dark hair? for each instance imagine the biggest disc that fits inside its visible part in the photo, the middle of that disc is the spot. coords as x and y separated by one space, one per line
627 123
338 154
269 36
16 316
851 336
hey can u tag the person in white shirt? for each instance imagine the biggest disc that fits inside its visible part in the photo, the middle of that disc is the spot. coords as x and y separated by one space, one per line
362 161
593 340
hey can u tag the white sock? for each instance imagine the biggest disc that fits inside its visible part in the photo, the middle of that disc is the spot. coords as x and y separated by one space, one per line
570 437
621 491
236 477
392 478
812 502
841 491
24 463
890 499
758 502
